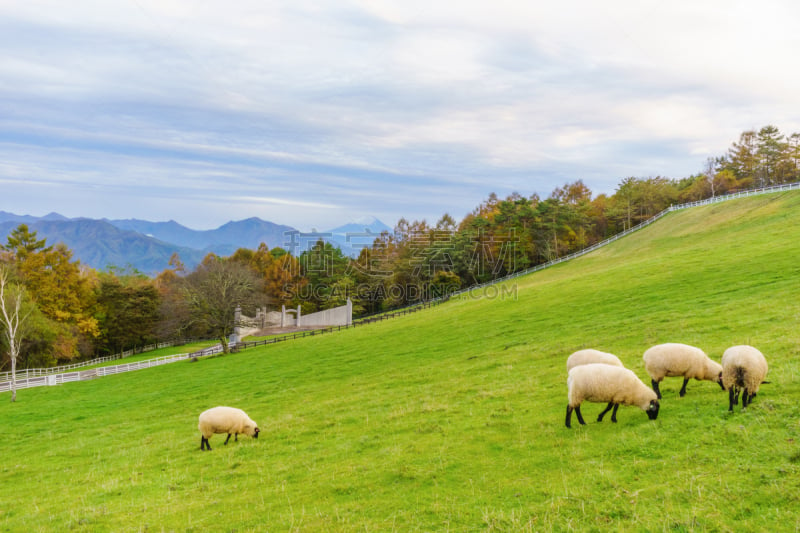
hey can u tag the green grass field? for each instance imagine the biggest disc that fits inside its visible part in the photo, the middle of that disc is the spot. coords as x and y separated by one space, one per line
452 419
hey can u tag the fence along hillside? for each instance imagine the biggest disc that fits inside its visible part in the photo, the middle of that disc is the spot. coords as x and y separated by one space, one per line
39 372
589 249
38 377
57 375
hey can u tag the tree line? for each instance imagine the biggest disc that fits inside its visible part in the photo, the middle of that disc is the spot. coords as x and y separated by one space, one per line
71 312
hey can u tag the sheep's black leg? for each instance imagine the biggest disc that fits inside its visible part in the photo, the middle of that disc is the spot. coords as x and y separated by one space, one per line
655 388
229 438
614 413
204 442
731 399
745 398
578 414
682 393
607 409
569 416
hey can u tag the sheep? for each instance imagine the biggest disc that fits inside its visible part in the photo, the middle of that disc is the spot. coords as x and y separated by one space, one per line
675 359
743 370
598 382
225 420
584 357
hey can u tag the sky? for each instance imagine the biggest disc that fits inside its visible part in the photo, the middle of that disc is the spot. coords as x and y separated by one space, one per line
314 114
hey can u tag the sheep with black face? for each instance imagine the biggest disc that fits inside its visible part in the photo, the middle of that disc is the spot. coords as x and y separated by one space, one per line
598 382
228 420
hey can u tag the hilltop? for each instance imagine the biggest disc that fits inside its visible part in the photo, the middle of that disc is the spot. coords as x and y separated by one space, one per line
453 418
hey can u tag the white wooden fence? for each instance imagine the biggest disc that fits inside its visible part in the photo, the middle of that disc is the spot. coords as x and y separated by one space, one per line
38 372
83 375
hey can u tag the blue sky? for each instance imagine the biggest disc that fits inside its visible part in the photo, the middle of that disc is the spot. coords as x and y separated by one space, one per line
318 113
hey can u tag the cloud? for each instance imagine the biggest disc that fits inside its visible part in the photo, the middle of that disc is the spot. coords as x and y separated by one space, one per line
344 109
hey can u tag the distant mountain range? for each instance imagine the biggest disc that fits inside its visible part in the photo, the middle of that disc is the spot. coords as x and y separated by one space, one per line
147 246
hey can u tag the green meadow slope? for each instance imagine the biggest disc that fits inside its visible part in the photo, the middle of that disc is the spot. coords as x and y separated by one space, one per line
452 419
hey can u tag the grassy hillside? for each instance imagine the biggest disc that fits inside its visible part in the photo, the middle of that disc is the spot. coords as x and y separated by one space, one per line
452 419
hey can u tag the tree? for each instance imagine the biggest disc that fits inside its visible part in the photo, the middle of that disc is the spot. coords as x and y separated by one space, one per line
128 311
63 291
742 158
22 242
13 317
624 202
283 279
793 155
771 147
175 317
215 289
324 265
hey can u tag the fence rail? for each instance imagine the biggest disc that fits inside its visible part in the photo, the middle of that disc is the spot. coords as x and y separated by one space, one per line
57 375
39 372
83 375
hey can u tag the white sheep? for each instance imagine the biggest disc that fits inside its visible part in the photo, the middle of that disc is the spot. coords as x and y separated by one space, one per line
743 370
675 359
598 382
225 420
584 357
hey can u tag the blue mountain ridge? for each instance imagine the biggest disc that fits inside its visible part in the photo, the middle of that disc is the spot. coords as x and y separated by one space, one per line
148 246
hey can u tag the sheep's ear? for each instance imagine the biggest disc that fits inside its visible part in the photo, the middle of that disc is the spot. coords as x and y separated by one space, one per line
653 405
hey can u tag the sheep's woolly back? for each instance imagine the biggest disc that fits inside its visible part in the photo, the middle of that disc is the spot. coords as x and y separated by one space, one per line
597 382
585 357
675 359
225 420
744 367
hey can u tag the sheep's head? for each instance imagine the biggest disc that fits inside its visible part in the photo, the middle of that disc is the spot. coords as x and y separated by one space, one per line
719 380
255 433
713 371
652 409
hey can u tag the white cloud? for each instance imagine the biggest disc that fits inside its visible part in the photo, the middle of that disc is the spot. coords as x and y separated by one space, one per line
384 102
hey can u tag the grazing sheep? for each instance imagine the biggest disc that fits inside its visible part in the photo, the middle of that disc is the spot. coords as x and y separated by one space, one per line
584 357
675 359
225 420
743 370
598 382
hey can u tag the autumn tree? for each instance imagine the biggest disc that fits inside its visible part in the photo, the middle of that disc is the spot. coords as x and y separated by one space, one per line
283 278
215 289
62 289
174 313
279 271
